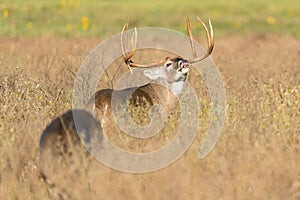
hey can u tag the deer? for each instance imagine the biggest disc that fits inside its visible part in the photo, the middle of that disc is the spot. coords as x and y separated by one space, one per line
171 74
64 147
75 132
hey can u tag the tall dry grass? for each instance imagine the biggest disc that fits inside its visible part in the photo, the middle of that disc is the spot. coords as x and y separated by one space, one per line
257 156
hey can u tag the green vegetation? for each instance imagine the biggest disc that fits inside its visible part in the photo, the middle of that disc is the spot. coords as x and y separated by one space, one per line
73 18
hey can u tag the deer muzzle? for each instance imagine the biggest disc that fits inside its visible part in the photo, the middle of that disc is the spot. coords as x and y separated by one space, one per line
183 66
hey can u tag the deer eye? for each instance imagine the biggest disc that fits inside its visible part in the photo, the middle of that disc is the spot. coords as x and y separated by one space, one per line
168 64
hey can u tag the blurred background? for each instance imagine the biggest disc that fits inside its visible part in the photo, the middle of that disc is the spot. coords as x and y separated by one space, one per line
75 18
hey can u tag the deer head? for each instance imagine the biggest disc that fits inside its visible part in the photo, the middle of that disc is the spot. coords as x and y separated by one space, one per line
172 70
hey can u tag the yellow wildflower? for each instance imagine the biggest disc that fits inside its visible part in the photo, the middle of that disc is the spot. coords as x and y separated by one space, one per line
29 25
5 13
85 23
270 20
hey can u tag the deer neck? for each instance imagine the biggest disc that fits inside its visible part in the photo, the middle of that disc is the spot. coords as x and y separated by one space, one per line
169 93
170 80
177 86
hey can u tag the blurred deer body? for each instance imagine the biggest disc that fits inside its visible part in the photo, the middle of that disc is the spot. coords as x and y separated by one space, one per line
61 149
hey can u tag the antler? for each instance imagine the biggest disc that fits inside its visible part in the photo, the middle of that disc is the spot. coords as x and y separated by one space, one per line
210 40
127 56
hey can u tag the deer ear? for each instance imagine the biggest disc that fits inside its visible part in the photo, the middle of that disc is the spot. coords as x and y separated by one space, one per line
152 74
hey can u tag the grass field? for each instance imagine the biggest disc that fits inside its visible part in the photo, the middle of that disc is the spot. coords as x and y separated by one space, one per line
102 18
257 52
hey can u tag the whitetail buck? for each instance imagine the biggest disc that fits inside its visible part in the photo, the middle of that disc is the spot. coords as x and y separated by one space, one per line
171 74
60 141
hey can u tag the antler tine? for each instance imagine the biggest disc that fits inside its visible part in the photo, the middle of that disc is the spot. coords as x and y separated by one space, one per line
188 25
124 41
123 46
210 41
133 44
127 56
209 34
134 40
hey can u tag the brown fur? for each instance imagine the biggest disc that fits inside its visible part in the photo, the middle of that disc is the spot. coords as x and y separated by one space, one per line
61 149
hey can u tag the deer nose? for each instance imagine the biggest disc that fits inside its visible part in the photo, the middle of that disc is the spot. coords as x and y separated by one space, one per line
184 64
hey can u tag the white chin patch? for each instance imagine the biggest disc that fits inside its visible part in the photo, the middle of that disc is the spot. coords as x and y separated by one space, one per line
185 70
